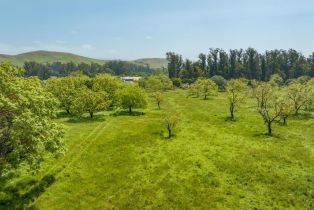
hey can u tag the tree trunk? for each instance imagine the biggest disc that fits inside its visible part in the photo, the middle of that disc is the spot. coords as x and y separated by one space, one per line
68 111
285 121
269 128
169 133
91 114
130 109
158 103
296 110
232 111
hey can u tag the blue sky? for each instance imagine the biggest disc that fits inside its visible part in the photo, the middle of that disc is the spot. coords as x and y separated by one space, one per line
129 29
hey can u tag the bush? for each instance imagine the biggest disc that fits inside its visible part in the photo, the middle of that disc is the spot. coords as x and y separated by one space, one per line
176 82
220 81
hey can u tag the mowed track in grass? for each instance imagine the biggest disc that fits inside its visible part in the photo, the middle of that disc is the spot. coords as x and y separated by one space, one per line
125 162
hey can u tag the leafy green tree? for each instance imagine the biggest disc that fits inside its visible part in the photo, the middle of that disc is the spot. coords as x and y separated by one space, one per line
284 104
203 63
276 80
157 83
175 64
131 97
207 87
64 89
236 94
27 129
87 100
220 81
194 89
107 83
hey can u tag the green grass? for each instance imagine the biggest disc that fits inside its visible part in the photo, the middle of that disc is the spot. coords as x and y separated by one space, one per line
126 162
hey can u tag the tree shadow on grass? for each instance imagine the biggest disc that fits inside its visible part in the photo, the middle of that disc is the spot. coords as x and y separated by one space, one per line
229 119
303 116
22 194
87 119
63 114
274 136
126 113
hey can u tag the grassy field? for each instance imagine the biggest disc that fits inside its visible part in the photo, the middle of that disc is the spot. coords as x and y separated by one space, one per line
126 162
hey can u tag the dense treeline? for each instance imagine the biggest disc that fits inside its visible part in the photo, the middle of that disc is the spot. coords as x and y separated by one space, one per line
59 69
247 63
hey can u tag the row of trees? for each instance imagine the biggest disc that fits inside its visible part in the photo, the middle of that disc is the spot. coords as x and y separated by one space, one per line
249 64
58 69
82 94
275 100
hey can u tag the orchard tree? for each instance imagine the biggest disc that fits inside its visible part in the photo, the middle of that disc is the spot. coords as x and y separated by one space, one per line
87 100
159 82
270 106
276 80
194 89
27 128
207 87
131 97
300 95
170 122
284 104
159 98
64 88
107 83
236 94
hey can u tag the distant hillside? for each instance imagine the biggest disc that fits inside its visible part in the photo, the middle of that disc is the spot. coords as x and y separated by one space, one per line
49 57
153 62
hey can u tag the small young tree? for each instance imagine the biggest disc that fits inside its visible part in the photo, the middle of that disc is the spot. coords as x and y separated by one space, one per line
194 89
131 97
86 100
159 98
236 94
170 123
285 105
206 87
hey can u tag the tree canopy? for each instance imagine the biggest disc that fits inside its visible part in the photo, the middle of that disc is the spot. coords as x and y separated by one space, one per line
27 130
131 97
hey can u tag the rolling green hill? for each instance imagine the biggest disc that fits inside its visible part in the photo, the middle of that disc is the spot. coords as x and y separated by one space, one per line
153 62
49 57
